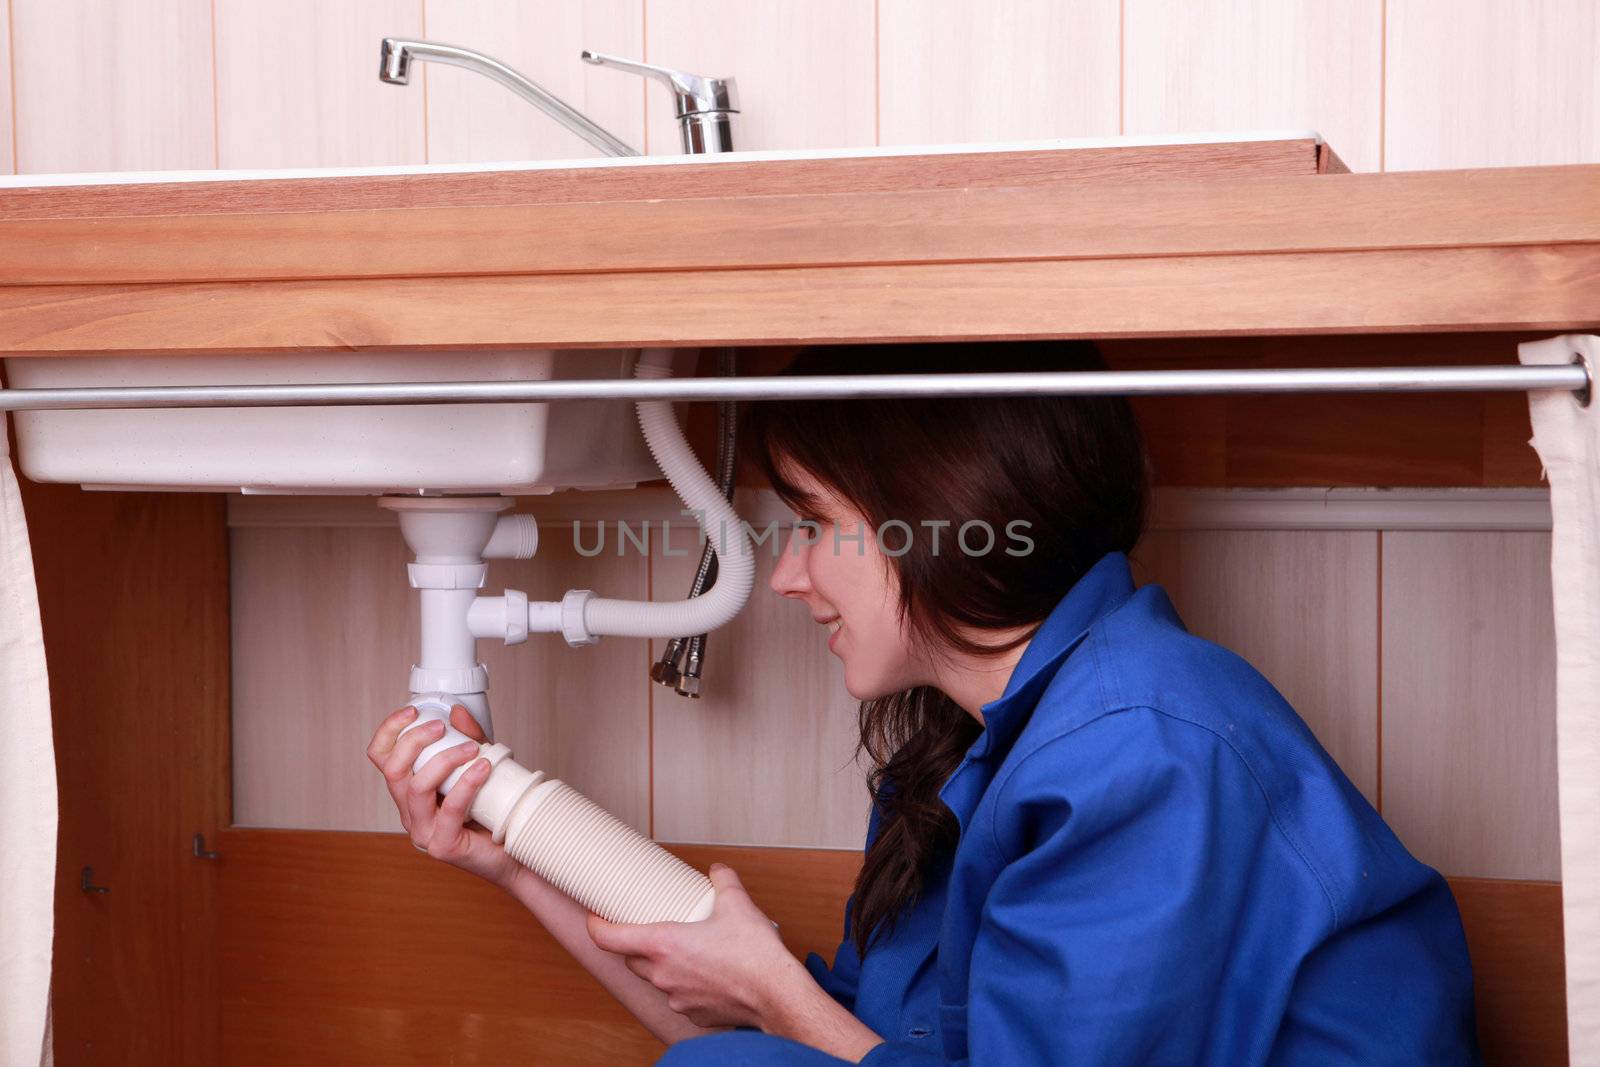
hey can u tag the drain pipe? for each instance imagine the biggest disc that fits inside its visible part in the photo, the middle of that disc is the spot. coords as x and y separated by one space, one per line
583 618
570 841
546 825
736 565
450 538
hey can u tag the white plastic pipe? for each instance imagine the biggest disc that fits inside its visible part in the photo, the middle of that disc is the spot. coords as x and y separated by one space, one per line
545 824
446 641
569 840
449 537
583 617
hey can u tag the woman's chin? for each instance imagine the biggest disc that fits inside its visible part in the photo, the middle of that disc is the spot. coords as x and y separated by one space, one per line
866 689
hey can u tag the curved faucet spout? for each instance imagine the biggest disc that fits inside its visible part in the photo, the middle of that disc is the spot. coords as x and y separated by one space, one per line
394 67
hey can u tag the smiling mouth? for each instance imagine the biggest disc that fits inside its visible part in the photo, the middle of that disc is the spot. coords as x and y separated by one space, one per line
832 624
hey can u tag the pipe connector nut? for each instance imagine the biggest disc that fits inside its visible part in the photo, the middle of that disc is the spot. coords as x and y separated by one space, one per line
573 626
458 680
447 575
516 602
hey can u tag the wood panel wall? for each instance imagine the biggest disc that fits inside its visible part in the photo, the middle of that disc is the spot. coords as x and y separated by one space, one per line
143 84
1486 82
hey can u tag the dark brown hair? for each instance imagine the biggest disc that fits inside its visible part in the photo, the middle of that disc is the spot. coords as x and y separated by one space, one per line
1072 468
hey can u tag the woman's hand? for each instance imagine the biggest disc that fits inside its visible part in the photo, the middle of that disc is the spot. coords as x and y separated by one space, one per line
440 828
728 970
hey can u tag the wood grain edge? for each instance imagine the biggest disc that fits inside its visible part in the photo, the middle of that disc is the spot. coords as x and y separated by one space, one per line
952 170
1467 289
1201 216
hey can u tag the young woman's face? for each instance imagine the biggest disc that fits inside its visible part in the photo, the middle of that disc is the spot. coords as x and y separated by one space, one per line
850 587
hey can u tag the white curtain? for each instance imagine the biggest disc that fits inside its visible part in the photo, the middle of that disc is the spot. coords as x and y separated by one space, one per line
1566 435
27 795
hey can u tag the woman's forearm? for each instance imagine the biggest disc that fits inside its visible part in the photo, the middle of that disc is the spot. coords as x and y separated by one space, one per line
565 919
807 1014
802 1011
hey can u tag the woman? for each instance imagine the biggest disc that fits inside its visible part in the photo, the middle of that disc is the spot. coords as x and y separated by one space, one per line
1094 838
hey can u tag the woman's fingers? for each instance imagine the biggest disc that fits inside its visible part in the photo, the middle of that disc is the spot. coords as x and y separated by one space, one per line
398 763
453 812
449 828
432 774
627 939
462 720
421 793
439 828
388 731
396 766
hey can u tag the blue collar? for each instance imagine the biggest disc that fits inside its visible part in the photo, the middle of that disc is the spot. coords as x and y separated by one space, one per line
1101 590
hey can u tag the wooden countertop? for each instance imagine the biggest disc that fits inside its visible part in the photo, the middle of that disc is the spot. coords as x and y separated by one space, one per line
1186 240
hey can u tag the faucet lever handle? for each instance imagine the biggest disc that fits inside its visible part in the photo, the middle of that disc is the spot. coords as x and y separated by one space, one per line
692 94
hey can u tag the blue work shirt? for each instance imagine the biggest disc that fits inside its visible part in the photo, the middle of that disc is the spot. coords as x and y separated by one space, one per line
1158 864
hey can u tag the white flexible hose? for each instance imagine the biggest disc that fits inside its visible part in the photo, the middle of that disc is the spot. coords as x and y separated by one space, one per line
569 840
736 565
600 861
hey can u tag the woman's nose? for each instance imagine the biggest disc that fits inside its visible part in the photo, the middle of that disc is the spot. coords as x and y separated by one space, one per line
789 576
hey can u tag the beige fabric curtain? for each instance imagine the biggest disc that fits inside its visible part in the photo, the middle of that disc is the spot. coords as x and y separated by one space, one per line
27 795
1566 434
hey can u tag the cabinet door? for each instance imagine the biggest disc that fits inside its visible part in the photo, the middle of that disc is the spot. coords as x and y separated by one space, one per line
133 594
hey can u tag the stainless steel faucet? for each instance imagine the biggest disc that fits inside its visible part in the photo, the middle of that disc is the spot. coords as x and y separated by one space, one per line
705 106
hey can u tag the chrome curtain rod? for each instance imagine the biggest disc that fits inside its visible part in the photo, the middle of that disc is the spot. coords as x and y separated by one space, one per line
1574 377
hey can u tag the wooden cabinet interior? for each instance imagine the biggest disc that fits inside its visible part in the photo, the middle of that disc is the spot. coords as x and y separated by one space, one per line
142 727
